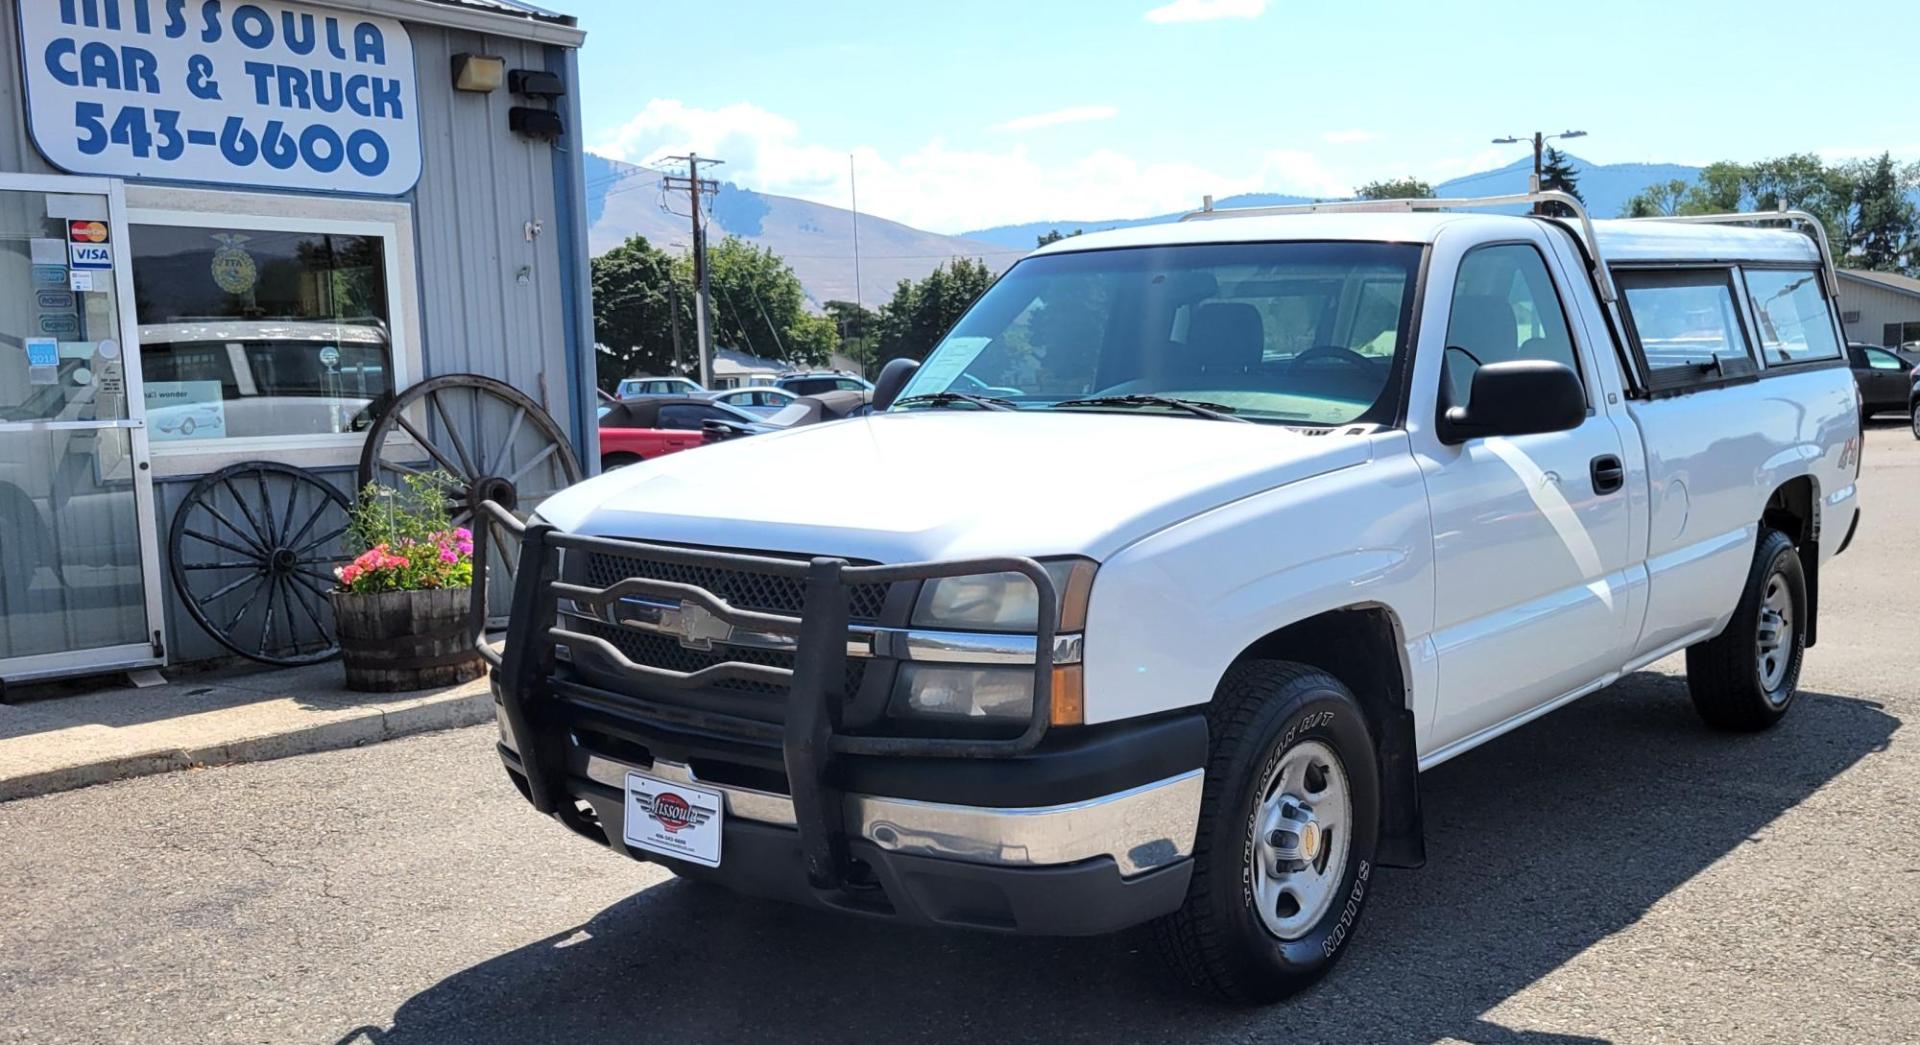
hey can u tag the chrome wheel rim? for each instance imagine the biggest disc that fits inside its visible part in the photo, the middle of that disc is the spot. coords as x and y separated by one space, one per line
1774 643
1304 835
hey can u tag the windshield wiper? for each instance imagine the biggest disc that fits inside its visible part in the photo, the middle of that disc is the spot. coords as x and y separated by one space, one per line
1196 407
950 398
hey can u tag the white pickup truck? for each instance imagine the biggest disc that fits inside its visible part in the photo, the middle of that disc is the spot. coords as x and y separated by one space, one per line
1155 587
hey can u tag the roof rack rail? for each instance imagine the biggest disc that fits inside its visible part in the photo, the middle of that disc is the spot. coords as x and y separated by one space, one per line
1806 222
1602 278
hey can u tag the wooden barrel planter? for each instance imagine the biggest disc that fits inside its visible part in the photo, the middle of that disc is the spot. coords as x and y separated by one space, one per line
400 640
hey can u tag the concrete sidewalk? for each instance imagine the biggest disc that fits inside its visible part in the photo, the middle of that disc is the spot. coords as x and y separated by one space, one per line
59 738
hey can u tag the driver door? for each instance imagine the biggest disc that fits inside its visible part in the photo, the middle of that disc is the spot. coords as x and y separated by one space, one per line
1530 534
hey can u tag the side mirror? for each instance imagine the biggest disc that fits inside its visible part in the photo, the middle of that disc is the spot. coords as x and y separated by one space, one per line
893 377
1517 397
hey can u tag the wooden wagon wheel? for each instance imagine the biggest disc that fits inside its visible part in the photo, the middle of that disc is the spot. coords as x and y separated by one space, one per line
252 552
495 442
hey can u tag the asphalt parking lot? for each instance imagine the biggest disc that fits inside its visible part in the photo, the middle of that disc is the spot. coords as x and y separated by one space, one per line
1612 873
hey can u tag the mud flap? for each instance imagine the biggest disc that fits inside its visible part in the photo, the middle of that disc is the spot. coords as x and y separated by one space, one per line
1403 841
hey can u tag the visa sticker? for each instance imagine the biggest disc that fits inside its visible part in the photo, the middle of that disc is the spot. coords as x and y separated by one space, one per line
90 255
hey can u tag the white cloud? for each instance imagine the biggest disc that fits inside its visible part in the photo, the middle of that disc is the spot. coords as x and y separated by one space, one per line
1205 10
944 188
1349 137
1070 114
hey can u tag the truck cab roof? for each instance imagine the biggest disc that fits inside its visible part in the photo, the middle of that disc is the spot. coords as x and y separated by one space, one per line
1621 240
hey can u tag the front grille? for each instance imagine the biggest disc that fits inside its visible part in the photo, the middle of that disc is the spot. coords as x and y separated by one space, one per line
743 589
665 651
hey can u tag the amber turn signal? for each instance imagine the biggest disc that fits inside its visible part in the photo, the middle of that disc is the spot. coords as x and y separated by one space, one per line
1069 700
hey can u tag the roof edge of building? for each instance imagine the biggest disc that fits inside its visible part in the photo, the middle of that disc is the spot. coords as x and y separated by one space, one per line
516 20
1893 281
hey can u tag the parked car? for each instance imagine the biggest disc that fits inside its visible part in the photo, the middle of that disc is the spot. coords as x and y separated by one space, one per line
814 382
1883 377
804 410
1286 507
645 428
763 400
1913 400
640 387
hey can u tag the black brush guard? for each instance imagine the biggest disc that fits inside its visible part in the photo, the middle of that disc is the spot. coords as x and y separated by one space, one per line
808 736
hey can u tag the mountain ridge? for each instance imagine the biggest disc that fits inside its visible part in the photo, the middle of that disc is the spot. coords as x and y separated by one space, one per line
816 239
1606 187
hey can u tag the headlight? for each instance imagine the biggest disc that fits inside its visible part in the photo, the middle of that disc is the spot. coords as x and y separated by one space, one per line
948 692
1005 601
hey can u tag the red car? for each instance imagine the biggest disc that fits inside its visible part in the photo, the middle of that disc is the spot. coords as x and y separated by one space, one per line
637 429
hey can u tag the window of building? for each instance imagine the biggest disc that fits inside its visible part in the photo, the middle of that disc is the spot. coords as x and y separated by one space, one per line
1504 308
1685 325
1899 334
251 333
1791 316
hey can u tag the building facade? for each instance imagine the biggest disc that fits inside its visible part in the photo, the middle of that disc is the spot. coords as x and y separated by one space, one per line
229 232
1880 308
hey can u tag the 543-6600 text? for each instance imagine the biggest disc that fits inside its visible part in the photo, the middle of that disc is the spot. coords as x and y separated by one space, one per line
158 133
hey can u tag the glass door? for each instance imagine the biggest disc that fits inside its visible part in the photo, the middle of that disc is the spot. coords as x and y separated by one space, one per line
78 554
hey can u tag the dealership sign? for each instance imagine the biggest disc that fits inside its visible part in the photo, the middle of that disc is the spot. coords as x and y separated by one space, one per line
260 93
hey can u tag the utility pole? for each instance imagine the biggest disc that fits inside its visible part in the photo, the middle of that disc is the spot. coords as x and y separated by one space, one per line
1540 141
697 187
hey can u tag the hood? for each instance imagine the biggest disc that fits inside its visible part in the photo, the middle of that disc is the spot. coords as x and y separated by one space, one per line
921 485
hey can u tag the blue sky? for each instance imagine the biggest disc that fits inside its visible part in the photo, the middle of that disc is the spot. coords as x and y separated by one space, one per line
981 112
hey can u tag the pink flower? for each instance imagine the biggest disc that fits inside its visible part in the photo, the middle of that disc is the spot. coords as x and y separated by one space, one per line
449 556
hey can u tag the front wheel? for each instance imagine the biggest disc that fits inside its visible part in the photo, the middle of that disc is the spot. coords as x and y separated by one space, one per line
1289 820
1916 418
1745 678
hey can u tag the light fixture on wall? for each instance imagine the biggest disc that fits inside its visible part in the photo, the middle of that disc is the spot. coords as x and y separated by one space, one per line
535 83
536 123
478 72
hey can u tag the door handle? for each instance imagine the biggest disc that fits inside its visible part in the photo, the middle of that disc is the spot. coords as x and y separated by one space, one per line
1608 474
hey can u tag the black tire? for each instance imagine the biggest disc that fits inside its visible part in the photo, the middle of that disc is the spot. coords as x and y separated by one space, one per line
1217 940
1726 674
1915 412
619 460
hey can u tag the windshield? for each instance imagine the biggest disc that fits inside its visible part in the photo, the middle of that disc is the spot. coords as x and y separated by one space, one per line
1292 333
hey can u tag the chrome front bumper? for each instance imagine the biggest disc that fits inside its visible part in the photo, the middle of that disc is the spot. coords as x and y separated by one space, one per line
1140 829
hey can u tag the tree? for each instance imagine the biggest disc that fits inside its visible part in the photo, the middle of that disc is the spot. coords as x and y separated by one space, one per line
1865 205
1883 229
1054 236
759 305
642 312
858 327
1395 189
1558 174
921 312
1659 200
643 301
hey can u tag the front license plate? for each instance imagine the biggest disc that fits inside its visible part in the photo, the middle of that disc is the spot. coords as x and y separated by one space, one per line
674 820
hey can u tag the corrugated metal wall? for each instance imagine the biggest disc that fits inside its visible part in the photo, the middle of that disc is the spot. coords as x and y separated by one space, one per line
491 296
1877 306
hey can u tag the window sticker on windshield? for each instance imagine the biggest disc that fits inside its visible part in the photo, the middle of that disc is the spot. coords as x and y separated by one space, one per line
953 356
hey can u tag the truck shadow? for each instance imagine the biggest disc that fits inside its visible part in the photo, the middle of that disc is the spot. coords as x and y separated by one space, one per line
1541 844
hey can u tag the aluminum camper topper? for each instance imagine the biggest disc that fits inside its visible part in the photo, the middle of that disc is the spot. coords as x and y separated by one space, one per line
1160 581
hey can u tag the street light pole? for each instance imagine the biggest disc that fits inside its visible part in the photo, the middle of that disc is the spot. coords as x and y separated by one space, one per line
1540 141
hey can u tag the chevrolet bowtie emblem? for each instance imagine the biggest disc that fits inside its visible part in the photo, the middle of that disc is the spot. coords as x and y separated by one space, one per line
696 626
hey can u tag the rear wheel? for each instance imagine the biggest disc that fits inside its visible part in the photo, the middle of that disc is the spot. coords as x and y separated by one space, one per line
1915 411
1289 820
1745 678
